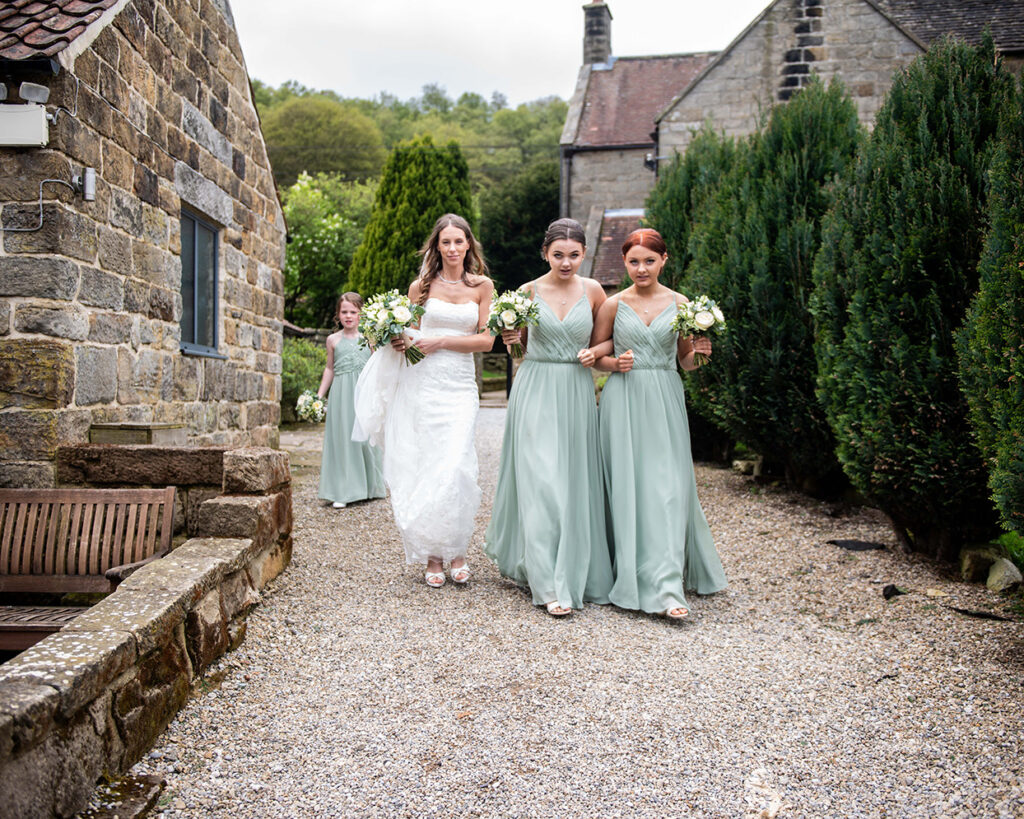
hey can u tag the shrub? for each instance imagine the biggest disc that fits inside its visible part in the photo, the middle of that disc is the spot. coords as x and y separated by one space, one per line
991 343
897 269
421 182
753 252
302 367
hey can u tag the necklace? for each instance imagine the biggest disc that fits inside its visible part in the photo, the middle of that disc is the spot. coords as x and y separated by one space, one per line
448 281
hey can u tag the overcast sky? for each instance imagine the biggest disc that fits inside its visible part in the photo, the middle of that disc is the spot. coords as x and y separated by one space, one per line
525 49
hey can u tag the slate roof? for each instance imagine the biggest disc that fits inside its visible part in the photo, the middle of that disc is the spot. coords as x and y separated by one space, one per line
967 19
43 28
621 102
608 269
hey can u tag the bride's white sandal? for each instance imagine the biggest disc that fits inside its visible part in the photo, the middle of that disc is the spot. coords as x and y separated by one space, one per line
460 575
434 579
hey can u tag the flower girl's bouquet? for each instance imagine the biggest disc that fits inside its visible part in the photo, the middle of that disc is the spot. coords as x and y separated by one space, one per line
696 317
512 310
311 407
386 316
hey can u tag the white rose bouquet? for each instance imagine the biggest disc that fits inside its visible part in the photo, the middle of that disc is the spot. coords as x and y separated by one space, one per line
310 407
386 316
696 317
512 310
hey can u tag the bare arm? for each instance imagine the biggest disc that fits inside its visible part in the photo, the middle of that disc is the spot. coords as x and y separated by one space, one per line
601 340
328 377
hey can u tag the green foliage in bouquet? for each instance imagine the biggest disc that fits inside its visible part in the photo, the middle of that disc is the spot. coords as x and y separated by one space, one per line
302 367
421 182
991 343
754 250
896 272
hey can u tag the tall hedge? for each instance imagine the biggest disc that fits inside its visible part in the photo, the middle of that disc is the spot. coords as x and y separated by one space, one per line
991 343
897 270
682 195
420 183
754 253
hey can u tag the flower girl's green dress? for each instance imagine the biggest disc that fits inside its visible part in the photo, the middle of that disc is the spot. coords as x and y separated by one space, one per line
349 471
659 535
547 528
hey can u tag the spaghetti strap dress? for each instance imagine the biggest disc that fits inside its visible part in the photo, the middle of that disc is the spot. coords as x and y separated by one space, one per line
657 530
349 470
547 529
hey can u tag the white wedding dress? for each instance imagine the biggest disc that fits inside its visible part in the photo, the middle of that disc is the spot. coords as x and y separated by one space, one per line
424 418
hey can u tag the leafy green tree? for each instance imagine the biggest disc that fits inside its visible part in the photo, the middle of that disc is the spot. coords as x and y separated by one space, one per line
421 182
683 195
326 217
896 272
991 343
753 253
513 218
319 134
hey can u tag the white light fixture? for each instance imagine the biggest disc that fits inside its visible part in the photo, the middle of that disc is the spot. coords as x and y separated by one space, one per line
33 92
85 184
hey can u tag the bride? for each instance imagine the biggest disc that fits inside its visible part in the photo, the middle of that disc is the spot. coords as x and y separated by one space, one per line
430 462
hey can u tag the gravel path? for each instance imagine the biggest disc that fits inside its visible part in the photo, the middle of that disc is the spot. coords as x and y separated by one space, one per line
798 691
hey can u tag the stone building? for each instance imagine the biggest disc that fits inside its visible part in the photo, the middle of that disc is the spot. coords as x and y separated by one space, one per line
141 235
610 159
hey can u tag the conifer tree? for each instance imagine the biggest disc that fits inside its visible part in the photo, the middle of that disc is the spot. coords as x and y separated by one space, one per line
420 183
991 343
896 272
753 253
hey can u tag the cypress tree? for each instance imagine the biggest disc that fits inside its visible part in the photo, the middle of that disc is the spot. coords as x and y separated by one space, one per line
991 343
896 272
420 183
754 254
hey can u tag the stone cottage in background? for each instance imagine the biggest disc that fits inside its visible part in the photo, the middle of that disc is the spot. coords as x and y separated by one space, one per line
629 115
141 235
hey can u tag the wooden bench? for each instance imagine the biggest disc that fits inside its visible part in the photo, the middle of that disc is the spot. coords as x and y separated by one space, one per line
55 541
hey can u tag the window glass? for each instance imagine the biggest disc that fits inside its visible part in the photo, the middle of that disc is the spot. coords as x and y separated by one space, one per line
198 285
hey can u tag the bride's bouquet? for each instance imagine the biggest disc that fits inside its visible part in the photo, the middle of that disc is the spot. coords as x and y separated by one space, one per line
512 310
311 407
696 317
386 316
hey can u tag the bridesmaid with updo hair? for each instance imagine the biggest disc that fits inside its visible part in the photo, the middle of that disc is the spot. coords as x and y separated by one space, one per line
547 529
658 533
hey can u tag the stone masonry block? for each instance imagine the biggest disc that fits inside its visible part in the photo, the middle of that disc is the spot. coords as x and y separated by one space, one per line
238 594
28 435
206 631
255 470
63 232
102 289
30 708
68 321
271 563
27 475
240 516
79 665
233 553
149 616
140 465
95 375
36 373
189 578
39 277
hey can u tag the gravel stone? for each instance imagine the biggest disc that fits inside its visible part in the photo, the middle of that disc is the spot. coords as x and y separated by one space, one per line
799 691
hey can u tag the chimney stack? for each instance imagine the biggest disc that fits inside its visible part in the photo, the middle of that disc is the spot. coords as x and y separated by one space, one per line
597 33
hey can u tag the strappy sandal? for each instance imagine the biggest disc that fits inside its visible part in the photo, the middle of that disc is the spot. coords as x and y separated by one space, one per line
434 579
555 609
461 575
684 613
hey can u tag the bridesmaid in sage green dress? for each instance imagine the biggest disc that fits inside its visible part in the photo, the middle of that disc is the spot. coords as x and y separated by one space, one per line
349 471
659 536
547 529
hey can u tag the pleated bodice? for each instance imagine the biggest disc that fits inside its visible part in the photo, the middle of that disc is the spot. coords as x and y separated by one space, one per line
349 356
654 346
558 342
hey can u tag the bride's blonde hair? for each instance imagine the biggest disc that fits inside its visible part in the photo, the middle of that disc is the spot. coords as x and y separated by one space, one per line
431 266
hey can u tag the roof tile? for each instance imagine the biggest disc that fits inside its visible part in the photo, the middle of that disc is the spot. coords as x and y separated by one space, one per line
608 269
45 27
967 19
623 100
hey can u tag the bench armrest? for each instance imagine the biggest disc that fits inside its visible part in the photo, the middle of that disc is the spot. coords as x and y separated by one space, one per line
115 574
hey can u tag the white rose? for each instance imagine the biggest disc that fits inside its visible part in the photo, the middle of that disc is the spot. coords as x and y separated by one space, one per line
382 320
402 314
508 318
718 314
704 320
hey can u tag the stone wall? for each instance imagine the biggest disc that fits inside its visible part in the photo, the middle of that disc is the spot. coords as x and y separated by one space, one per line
845 38
159 104
608 179
91 699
